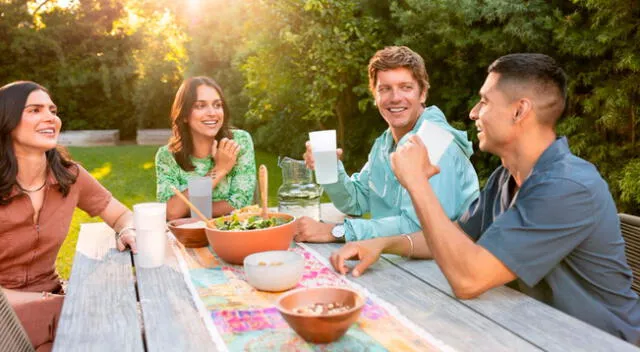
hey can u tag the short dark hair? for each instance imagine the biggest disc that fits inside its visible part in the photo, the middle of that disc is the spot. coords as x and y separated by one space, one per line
393 57
539 71
13 98
181 143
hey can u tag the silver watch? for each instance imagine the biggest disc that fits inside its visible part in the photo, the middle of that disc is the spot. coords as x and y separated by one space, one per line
338 231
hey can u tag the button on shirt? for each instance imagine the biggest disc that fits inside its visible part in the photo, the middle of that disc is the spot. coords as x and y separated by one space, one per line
561 237
28 250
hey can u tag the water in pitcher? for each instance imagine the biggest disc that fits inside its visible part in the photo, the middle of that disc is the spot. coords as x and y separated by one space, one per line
298 195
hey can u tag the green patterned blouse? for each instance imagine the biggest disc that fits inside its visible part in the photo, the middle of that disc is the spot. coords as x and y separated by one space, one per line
237 187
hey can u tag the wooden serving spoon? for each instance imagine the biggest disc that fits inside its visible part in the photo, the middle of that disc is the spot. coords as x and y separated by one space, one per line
263 181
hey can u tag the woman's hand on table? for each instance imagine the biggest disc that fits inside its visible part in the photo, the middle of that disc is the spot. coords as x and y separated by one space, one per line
367 252
127 240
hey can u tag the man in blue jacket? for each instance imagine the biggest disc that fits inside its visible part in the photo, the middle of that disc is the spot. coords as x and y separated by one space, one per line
399 83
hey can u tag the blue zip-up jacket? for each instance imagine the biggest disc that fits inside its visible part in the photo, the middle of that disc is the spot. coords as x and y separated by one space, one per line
376 190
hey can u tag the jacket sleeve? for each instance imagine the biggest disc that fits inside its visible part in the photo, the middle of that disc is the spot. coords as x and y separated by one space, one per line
456 186
404 223
350 195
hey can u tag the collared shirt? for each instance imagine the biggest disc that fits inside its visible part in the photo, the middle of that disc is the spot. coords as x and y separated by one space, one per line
561 237
28 249
376 190
237 187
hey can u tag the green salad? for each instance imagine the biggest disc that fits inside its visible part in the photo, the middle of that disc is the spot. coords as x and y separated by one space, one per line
253 223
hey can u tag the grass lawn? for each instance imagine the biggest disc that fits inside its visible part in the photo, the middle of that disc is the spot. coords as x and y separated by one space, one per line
129 173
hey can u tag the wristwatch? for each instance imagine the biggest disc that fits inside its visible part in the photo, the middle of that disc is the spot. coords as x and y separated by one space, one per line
338 231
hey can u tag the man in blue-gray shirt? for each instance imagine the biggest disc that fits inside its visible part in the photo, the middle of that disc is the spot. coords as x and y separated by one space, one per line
545 218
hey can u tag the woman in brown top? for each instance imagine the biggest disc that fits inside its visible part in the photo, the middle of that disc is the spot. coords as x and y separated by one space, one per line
39 189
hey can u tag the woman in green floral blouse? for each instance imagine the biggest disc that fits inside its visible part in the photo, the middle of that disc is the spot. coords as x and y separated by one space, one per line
202 144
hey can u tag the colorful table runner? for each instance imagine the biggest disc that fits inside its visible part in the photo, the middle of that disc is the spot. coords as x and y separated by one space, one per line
241 318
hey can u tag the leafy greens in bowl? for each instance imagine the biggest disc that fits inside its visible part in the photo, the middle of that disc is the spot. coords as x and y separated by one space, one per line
236 223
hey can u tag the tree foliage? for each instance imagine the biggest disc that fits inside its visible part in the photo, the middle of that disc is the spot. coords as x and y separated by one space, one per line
288 67
306 70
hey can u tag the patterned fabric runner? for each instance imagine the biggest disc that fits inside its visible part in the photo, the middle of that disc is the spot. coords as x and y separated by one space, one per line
241 318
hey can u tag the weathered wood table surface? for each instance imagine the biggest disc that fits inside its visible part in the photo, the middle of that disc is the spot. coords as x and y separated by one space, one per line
112 305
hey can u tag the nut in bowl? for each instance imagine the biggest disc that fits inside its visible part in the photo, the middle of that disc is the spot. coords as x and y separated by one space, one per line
236 236
321 314
189 231
273 271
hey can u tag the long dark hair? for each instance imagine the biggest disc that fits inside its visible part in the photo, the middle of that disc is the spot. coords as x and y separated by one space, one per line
181 143
13 98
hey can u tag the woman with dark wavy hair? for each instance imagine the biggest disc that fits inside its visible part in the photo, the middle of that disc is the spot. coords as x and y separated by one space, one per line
39 189
203 144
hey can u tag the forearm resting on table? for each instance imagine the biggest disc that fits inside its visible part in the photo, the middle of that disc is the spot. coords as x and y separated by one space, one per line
16 297
401 246
117 216
222 208
470 269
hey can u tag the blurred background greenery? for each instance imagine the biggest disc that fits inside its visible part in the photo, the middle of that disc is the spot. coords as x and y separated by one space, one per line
288 67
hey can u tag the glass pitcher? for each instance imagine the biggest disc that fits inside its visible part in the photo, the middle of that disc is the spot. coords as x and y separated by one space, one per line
298 195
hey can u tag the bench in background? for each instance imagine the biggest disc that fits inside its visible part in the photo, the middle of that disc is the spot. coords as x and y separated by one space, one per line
153 137
86 138
630 226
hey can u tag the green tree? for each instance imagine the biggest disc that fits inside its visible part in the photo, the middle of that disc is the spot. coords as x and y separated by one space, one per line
79 54
600 42
306 70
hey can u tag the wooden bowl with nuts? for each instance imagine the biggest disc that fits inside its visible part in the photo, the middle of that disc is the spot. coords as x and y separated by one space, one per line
321 314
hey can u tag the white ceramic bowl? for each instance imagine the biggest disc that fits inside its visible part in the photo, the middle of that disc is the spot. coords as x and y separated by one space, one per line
273 271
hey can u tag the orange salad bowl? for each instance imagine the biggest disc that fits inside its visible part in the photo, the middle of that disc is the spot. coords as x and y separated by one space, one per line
234 246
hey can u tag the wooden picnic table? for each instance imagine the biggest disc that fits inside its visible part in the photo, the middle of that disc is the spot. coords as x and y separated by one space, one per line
112 305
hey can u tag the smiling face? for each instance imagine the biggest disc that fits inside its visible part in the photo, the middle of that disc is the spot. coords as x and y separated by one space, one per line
494 117
399 99
39 125
207 113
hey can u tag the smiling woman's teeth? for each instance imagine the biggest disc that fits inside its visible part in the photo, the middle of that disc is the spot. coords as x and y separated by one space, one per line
396 109
46 131
210 123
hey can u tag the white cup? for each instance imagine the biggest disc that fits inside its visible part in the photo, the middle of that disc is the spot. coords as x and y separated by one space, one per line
323 148
200 194
149 219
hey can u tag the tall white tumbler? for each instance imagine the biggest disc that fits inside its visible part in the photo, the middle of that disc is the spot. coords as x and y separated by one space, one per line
200 194
323 147
149 219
